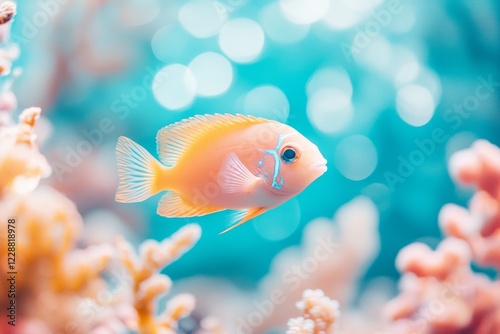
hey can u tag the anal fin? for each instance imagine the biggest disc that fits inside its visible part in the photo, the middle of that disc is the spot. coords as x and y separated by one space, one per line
173 205
241 217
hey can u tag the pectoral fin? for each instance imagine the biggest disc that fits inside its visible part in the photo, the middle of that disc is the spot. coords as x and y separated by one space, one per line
234 177
241 217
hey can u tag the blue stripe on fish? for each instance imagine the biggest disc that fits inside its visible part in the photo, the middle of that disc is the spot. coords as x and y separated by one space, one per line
277 162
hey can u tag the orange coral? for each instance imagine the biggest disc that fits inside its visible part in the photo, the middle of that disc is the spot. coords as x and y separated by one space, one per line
21 164
60 287
148 285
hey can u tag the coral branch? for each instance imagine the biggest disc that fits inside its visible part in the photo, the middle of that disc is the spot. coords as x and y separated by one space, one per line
21 164
479 167
439 291
319 314
148 285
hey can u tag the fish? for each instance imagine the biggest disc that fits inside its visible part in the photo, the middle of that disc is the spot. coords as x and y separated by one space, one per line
211 163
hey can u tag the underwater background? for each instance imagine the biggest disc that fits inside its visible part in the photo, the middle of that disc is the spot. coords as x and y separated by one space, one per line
388 91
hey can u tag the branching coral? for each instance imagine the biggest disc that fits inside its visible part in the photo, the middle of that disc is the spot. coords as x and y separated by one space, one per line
57 285
62 285
332 257
21 164
439 291
148 285
479 226
319 314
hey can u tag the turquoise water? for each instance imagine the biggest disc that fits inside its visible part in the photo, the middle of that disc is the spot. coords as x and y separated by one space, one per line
385 120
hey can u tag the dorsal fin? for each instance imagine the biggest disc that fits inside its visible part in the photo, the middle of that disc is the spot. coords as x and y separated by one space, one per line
172 140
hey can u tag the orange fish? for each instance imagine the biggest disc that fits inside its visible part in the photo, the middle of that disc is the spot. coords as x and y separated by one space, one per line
216 162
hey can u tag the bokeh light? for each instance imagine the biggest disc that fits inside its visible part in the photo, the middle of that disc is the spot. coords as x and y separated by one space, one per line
407 73
356 157
343 14
242 40
460 141
330 110
380 194
430 80
174 87
213 74
279 223
404 21
375 54
304 11
164 38
201 18
280 29
415 105
329 77
267 101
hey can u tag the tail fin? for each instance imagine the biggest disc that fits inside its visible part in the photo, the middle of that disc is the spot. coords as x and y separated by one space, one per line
137 170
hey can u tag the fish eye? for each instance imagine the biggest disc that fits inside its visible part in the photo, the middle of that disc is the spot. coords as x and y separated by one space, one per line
289 155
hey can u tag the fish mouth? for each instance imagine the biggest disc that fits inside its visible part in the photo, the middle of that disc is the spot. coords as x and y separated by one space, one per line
319 165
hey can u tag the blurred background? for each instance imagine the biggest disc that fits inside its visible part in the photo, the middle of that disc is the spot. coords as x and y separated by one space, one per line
386 89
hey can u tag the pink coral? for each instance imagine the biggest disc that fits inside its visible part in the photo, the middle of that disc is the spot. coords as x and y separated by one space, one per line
332 256
319 314
439 291
211 325
479 167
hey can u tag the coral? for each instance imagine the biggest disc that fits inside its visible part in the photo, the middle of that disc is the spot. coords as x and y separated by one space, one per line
59 278
332 256
211 325
62 287
479 226
319 314
148 285
65 285
21 164
439 291
57 284
9 52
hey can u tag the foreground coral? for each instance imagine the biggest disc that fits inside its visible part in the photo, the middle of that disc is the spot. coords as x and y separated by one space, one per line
56 285
21 164
333 255
61 288
439 291
479 226
148 284
319 314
